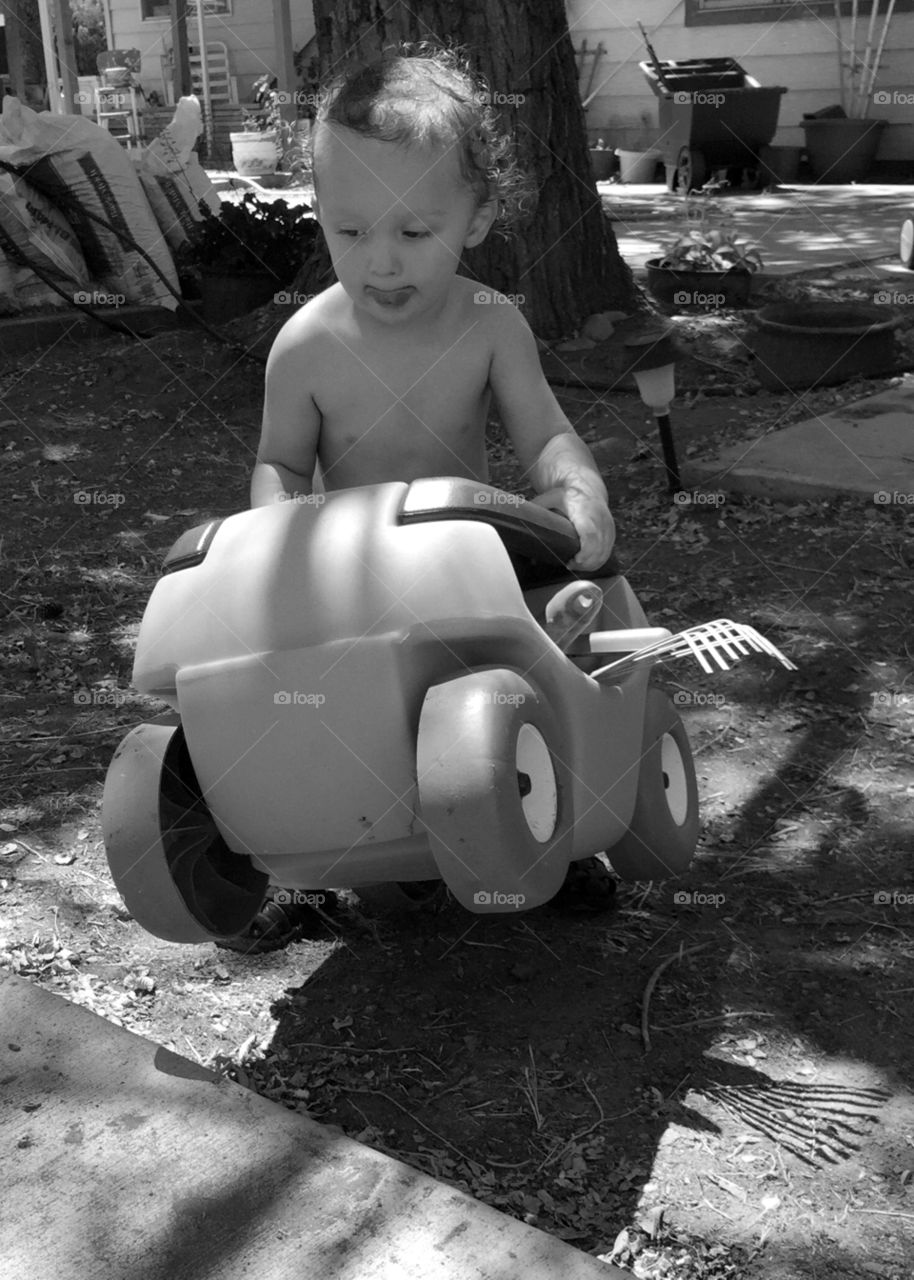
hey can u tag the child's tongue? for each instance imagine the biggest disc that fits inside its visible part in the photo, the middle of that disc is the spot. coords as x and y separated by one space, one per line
390 297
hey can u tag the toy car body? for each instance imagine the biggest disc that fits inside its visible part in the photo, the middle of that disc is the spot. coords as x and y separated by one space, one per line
363 690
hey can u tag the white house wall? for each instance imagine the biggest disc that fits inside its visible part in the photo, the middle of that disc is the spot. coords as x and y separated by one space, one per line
247 33
800 54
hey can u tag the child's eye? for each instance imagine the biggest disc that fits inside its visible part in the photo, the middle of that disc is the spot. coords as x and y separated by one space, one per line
417 235
348 231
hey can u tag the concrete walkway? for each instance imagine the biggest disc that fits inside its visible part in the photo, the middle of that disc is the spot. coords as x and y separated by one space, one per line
123 1159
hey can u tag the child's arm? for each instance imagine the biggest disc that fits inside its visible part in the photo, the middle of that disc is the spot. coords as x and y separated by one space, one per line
287 453
556 461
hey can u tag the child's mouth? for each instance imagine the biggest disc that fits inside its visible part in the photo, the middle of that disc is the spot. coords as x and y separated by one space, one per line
390 297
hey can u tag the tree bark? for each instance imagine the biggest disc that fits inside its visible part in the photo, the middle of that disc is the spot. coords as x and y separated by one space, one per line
563 262
23 45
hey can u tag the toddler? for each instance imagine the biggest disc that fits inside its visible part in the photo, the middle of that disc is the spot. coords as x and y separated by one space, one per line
389 373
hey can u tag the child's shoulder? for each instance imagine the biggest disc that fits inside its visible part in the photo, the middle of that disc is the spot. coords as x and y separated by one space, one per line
488 305
314 321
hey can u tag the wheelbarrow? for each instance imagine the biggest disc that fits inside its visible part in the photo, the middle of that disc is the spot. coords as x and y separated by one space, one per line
395 684
713 115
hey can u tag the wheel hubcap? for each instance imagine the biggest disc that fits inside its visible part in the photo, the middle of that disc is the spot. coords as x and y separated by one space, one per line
675 785
536 783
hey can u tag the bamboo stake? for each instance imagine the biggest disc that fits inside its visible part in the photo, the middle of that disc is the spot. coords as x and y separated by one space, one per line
853 75
859 103
878 59
840 44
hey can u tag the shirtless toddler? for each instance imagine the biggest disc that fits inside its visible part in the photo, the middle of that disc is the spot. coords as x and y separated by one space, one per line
389 373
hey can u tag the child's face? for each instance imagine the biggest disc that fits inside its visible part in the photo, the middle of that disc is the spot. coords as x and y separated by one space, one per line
396 222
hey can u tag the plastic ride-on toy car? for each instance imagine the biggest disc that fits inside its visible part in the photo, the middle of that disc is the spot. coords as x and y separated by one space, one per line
395 683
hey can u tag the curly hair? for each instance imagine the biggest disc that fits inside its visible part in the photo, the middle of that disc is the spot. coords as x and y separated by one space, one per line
427 95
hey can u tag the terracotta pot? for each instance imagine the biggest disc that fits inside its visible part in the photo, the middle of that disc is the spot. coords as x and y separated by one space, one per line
798 345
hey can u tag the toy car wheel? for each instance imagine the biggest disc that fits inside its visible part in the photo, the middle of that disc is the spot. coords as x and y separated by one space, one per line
663 832
178 878
494 793
906 243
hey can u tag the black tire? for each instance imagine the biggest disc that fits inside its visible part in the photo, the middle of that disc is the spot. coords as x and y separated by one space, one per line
662 835
691 170
494 792
177 876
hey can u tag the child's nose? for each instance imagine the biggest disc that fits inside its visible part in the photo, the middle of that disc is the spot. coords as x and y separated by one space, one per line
383 259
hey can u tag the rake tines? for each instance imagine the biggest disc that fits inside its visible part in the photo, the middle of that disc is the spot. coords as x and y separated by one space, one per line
724 641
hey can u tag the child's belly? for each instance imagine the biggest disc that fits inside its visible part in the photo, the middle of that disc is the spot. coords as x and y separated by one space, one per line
406 450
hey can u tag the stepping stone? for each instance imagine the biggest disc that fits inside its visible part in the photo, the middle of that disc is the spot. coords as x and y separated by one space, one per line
121 1158
865 448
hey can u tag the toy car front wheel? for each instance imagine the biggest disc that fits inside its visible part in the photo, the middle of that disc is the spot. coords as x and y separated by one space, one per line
178 878
663 832
495 795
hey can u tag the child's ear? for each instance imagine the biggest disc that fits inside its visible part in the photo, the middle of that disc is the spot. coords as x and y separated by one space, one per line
481 224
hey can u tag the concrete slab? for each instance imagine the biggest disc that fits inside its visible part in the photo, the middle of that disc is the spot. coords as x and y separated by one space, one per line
864 448
121 1158
798 229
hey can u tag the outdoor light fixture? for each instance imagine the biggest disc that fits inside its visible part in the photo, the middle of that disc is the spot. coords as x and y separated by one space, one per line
653 368
657 387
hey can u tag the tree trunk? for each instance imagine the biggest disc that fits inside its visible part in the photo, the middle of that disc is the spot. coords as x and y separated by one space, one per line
24 48
563 262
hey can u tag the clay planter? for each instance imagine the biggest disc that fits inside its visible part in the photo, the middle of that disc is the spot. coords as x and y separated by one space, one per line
700 290
841 150
255 153
798 345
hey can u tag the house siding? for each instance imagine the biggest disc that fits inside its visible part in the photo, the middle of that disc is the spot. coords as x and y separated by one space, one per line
799 54
247 33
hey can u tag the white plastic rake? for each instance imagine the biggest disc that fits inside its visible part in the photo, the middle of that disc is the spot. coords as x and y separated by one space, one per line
722 641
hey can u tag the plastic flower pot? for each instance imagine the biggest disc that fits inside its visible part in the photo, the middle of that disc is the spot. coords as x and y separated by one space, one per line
841 150
695 289
602 162
798 345
225 295
638 166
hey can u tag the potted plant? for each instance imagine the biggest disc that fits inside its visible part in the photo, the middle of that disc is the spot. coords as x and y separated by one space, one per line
708 266
247 253
256 149
841 141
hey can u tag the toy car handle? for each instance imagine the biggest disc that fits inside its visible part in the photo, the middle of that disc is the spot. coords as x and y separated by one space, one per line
527 528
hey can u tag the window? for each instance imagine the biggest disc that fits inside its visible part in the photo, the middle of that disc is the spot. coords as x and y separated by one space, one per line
162 9
706 13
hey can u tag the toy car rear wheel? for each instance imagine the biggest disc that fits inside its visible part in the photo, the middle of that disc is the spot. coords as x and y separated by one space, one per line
691 170
663 832
494 792
178 878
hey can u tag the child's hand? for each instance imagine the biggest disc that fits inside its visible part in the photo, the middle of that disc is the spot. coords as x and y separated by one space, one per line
592 521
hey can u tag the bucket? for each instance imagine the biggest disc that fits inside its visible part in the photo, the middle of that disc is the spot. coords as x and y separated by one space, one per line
798 345
637 166
255 153
780 164
842 150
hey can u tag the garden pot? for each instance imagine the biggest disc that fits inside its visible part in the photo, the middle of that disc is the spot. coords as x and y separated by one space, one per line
602 162
780 164
798 345
638 166
226 295
842 150
255 153
704 290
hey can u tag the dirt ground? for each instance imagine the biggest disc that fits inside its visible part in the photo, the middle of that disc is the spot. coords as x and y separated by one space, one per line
721 1066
